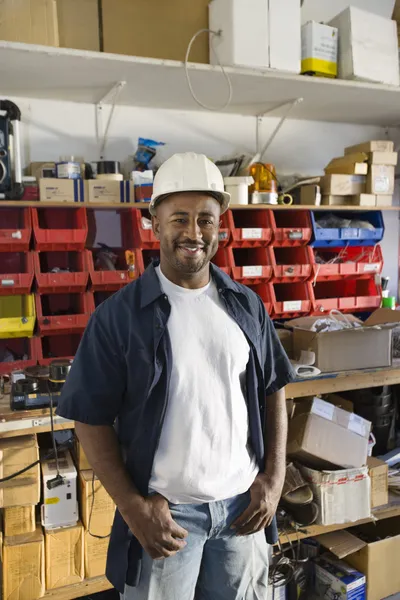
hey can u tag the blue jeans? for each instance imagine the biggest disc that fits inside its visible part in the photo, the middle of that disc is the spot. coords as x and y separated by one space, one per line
215 564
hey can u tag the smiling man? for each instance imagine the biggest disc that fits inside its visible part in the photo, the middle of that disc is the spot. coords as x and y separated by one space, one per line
177 393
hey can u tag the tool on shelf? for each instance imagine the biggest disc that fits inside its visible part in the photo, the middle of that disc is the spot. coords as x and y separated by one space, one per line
266 189
11 186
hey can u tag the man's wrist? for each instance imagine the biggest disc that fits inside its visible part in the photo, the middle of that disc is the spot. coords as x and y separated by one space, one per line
133 501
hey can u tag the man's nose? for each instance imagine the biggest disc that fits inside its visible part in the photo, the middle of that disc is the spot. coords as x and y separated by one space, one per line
193 230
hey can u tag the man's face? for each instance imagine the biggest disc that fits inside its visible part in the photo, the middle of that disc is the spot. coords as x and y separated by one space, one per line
187 226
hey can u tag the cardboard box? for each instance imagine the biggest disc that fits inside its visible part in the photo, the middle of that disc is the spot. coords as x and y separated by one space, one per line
64 556
358 200
16 454
383 158
324 436
19 520
100 505
23 566
78 24
345 350
310 194
371 146
368 49
380 180
383 200
80 457
379 475
378 559
42 170
351 164
343 185
95 555
61 190
336 579
319 46
342 496
114 192
364 199
29 21
155 29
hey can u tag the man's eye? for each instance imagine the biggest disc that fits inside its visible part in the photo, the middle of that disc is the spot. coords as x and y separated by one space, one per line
180 221
206 222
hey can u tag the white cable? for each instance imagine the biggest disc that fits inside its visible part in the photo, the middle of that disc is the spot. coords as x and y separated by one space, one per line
117 92
189 48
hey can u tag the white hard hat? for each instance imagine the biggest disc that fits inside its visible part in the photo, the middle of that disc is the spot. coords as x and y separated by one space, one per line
189 172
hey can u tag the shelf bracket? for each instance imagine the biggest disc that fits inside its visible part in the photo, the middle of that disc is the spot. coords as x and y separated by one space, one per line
260 151
110 97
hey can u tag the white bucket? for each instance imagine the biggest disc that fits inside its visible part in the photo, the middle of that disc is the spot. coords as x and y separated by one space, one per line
238 188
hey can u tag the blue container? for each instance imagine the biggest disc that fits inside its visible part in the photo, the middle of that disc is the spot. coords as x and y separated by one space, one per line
348 236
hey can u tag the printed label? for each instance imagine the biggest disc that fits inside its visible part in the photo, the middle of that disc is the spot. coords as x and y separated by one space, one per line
372 267
295 235
52 500
323 409
252 271
7 282
292 305
382 185
358 425
252 234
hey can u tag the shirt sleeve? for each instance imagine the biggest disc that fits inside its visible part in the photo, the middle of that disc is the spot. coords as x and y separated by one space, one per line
94 390
278 370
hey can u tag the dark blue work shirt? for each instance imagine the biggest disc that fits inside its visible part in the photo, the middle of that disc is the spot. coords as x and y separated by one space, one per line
121 376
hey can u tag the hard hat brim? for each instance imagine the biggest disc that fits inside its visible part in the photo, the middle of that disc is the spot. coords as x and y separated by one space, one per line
223 198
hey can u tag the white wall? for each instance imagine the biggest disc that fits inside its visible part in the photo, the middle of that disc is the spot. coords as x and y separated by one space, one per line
51 129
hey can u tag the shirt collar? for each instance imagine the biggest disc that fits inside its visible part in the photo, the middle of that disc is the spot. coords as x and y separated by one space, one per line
150 288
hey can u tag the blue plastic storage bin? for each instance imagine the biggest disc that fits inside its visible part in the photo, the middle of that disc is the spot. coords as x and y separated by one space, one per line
348 236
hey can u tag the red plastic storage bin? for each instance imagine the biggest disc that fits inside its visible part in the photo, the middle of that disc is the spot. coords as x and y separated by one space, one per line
264 291
100 297
221 259
250 265
248 227
63 313
110 280
351 261
17 353
290 300
290 265
52 347
15 229
348 295
143 236
59 228
61 272
291 227
145 258
16 273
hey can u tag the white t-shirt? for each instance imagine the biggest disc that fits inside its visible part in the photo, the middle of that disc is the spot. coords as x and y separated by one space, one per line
203 453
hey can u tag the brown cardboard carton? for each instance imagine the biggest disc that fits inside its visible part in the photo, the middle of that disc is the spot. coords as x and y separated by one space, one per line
377 559
16 454
107 191
97 510
383 158
78 24
310 194
363 200
64 556
371 146
379 475
80 456
358 200
61 190
380 180
346 350
29 21
95 555
323 436
351 164
384 200
19 520
155 29
23 566
343 185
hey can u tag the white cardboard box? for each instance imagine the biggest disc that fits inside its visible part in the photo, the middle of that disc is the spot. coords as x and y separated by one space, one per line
343 496
368 47
285 35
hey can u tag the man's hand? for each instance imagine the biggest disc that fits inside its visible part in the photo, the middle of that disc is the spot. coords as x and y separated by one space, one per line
265 495
151 523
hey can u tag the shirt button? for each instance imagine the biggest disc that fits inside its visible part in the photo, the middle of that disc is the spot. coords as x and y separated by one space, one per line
165 297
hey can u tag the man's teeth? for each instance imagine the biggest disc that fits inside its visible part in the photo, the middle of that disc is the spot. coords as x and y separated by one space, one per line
192 250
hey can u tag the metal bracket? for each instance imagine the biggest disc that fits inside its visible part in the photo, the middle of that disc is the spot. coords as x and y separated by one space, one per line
259 118
110 97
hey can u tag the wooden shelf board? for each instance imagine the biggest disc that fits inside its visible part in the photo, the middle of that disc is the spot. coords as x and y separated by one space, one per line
85 588
115 206
81 76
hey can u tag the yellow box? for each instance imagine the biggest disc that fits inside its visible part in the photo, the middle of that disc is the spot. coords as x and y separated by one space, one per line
19 520
17 316
97 511
16 454
64 549
95 555
319 45
23 566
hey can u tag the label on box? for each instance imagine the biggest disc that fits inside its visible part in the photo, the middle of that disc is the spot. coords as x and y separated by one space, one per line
381 185
358 425
7 282
252 234
323 409
295 235
373 267
292 305
252 271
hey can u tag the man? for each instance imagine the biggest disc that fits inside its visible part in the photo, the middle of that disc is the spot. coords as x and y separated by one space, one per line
187 366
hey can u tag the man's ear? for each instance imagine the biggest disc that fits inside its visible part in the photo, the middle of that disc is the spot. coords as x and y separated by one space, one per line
155 223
